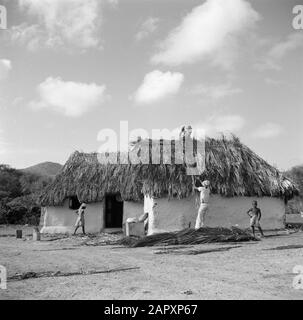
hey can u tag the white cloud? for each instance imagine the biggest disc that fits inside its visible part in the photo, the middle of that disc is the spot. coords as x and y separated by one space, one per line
31 36
68 98
114 3
228 123
273 82
268 130
157 85
294 41
221 124
148 27
209 31
17 101
216 92
5 67
60 23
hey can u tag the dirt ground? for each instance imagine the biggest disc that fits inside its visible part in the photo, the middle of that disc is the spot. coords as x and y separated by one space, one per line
251 270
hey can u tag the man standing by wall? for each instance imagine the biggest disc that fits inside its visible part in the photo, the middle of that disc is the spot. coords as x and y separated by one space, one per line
204 200
254 214
80 220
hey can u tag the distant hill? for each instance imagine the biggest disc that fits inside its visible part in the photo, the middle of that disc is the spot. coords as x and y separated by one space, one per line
48 169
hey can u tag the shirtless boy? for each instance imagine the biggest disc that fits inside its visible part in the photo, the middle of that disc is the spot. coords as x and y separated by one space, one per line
255 216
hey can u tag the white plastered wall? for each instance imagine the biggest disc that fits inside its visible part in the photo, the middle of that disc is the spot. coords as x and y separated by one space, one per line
61 219
132 209
172 214
175 214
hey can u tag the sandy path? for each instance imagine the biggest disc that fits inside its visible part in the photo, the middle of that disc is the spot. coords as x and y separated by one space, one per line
250 271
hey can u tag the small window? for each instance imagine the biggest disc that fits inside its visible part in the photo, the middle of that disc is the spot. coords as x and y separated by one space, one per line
74 203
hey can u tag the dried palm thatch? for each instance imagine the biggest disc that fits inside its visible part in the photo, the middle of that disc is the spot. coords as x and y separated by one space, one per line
232 168
189 237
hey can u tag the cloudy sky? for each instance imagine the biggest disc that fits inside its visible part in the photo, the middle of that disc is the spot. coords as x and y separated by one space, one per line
69 68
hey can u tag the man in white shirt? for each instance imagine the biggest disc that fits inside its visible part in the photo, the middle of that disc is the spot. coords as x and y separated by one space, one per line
204 199
80 219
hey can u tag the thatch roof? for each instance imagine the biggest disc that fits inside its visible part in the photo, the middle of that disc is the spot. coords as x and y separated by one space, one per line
232 168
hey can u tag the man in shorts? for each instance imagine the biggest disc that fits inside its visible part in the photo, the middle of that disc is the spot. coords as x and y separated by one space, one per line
255 216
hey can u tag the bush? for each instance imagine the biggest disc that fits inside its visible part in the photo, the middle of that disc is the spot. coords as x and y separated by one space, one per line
3 212
18 192
10 186
23 210
295 205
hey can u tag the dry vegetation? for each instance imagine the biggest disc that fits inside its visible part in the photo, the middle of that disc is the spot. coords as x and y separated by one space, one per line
231 166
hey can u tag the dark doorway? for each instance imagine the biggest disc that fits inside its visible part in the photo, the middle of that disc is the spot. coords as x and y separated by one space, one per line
113 211
74 203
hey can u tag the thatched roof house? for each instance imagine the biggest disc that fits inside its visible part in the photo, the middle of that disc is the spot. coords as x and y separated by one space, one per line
233 169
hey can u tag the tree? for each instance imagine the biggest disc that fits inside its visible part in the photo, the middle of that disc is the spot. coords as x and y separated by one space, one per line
23 210
296 175
33 183
18 195
9 182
